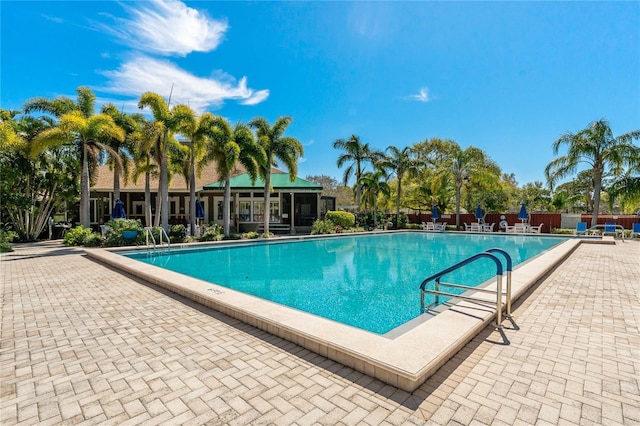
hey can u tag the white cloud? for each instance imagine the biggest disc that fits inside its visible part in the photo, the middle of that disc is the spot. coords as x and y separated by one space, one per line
143 74
423 96
167 27
311 142
52 18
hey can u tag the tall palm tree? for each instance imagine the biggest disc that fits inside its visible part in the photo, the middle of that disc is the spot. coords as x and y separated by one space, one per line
178 118
401 162
276 147
144 157
461 165
227 147
86 134
358 154
374 184
600 150
130 123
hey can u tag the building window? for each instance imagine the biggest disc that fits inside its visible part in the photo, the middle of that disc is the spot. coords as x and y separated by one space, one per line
274 212
258 211
244 211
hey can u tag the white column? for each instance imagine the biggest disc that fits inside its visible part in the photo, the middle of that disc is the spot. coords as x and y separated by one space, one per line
293 227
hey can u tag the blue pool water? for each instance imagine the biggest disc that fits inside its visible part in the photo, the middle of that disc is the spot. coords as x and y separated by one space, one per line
367 281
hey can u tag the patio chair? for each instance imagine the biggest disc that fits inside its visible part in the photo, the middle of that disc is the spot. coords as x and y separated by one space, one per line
581 228
536 229
467 227
521 228
635 229
475 227
428 226
612 228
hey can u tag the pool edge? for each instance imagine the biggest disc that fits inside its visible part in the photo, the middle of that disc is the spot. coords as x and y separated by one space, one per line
404 361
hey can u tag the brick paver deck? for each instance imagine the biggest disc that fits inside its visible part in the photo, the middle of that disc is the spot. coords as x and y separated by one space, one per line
84 344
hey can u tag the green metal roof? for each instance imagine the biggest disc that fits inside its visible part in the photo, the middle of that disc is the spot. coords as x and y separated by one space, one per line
279 181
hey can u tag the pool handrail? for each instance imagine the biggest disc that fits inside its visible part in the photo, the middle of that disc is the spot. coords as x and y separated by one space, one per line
499 273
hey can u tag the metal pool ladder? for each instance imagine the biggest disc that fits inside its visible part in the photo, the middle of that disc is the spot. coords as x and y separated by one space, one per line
498 291
148 235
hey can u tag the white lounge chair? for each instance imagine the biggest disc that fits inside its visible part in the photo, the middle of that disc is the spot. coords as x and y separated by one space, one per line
536 229
521 228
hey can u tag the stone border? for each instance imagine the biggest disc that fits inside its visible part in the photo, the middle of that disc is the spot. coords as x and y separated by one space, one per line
406 360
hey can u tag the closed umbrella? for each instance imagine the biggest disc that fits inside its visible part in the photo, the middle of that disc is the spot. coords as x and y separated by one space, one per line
479 214
523 213
118 210
199 210
435 215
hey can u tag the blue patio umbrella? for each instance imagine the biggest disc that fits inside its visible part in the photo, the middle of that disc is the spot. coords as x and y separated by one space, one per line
118 210
199 210
435 215
523 213
479 214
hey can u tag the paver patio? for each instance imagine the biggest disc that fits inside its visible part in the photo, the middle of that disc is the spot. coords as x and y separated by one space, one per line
84 344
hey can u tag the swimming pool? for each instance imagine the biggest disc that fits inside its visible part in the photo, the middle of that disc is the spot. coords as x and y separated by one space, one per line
367 281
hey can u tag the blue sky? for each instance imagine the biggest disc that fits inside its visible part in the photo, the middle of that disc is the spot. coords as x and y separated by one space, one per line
506 77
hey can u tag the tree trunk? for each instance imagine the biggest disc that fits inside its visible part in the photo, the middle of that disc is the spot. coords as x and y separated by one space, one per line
398 203
164 186
267 199
458 188
147 199
192 194
597 186
85 220
116 181
226 206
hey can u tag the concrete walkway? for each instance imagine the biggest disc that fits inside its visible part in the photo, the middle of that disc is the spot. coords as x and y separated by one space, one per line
84 344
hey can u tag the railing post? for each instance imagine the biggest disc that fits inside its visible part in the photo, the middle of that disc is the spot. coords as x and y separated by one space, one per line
422 300
499 301
437 287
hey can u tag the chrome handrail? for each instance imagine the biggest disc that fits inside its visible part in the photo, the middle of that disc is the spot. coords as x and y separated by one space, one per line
499 273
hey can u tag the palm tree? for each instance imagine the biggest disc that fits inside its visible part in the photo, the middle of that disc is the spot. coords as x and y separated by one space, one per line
130 123
373 184
276 147
171 121
358 154
145 156
87 134
461 165
84 132
600 150
227 147
401 162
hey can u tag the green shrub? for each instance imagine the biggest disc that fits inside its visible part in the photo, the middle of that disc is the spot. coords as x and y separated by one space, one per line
211 232
251 235
323 227
93 240
232 237
563 231
77 236
6 237
119 225
177 234
403 219
342 219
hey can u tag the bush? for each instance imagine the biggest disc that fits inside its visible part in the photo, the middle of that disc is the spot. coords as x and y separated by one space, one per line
177 234
93 240
342 219
211 233
6 237
323 227
119 225
403 219
77 236
251 235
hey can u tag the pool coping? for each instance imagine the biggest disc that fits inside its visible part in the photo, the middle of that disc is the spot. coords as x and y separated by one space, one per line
405 360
